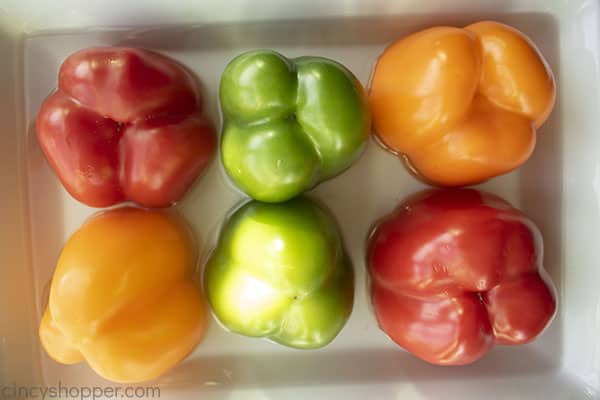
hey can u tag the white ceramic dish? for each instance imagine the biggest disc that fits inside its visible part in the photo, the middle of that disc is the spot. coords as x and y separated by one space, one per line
559 188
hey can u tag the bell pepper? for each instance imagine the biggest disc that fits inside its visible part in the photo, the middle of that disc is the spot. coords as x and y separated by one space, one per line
123 296
461 105
455 272
289 123
125 125
279 271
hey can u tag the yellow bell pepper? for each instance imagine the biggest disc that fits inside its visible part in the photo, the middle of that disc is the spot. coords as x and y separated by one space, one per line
123 296
461 105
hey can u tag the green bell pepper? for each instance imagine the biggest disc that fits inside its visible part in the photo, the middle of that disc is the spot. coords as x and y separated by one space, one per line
280 271
289 124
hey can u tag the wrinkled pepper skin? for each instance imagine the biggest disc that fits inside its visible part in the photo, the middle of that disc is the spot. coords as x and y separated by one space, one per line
125 124
460 106
280 272
123 296
454 272
289 124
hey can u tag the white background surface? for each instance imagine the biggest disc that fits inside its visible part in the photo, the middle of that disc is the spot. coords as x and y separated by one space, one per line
559 188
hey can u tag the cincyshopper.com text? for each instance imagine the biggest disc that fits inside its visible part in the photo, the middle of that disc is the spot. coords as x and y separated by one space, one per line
60 391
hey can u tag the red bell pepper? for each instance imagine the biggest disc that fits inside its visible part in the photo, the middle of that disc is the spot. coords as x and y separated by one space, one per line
125 124
455 272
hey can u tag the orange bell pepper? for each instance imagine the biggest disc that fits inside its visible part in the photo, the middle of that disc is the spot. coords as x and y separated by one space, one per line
123 296
461 105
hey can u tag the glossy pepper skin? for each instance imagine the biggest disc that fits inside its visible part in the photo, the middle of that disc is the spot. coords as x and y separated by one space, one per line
125 124
280 272
289 123
456 271
123 296
461 106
